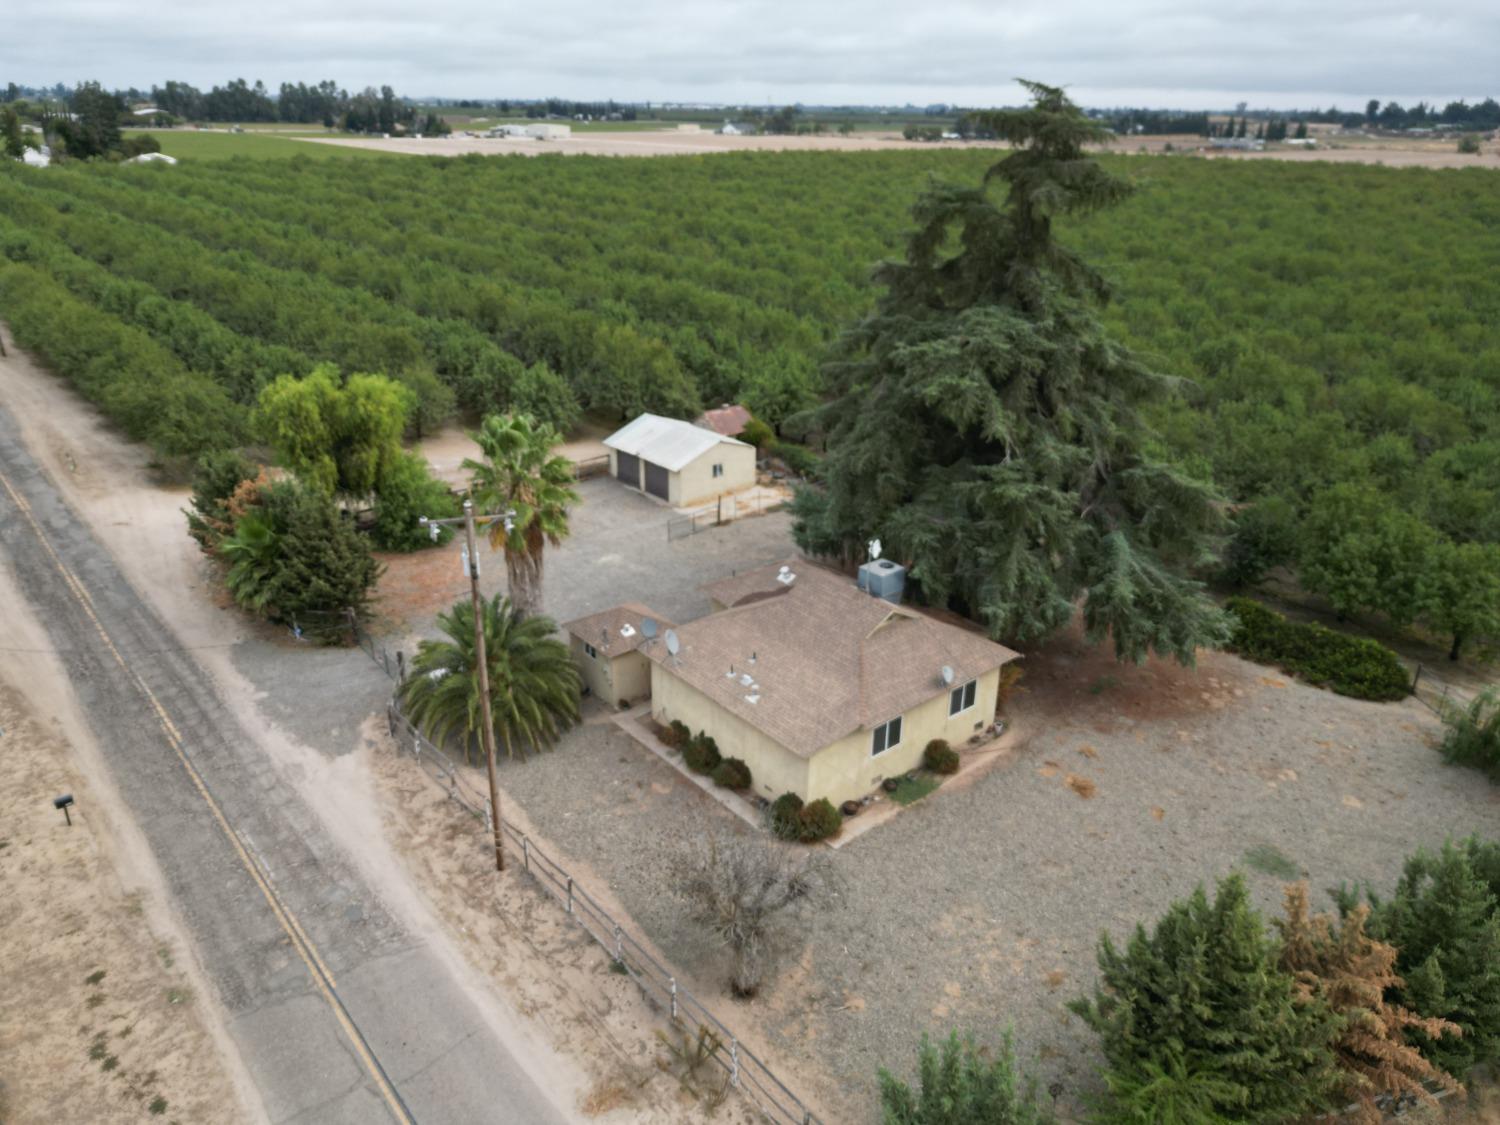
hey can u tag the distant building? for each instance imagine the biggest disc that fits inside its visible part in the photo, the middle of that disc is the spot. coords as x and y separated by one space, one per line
1239 144
152 158
679 462
549 132
37 157
729 420
732 129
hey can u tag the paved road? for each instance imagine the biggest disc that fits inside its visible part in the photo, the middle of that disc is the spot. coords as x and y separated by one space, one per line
339 1013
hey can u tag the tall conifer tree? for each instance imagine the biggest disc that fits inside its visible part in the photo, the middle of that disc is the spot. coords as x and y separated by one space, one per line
988 430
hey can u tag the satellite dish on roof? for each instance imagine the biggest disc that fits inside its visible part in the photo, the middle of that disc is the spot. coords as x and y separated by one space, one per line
674 646
947 674
648 628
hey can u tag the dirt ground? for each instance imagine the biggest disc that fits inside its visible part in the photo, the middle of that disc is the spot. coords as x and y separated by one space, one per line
554 972
1396 152
104 1018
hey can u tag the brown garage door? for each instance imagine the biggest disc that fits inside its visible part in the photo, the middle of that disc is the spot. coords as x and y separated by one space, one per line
628 469
658 481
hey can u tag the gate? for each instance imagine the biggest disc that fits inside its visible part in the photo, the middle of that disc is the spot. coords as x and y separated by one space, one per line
658 481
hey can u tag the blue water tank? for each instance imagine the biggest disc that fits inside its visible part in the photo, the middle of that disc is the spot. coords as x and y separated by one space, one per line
882 578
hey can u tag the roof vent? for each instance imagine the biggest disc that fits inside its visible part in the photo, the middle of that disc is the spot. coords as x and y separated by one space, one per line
746 679
785 576
752 698
627 630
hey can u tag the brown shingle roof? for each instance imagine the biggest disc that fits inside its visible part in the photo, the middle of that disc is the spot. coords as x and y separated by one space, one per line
604 630
828 659
727 420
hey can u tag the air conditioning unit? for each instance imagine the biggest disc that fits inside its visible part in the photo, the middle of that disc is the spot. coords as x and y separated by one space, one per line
882 578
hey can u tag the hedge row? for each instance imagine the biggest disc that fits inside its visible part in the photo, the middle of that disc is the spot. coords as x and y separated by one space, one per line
1353 666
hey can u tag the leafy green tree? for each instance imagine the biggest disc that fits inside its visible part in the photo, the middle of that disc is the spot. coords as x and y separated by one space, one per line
1263 537
1443 918
986 427
1468 144
432 402
339 436
1198 1012
542 393
958 1085
93 130
534 684
520 474
1363 553
1460 594
407 493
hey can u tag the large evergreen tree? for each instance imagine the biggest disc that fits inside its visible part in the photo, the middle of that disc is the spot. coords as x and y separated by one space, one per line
987 429
1198 1014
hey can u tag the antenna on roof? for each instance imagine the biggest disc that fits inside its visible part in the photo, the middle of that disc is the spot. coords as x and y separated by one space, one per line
648 628
947 674
604 633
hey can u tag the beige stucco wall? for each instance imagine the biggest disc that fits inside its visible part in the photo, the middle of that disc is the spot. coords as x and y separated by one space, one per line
846 770
696 484
843 771
627 676
774 769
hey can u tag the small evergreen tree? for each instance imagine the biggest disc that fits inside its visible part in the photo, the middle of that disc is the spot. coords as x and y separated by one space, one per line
1443 917
215 480
323 567
1340 964
1201 1010
958 1085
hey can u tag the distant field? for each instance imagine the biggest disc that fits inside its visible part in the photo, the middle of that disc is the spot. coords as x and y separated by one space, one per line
1333 323
187 144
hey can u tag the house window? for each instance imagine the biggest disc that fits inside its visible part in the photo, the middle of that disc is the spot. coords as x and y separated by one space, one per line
961 698
886 736
591 650
718 470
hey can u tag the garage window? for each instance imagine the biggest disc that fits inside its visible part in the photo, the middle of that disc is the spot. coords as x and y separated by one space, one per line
961 698
718 470
886 737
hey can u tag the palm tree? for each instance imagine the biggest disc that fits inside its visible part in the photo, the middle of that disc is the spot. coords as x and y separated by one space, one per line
521 474
251 551
534 684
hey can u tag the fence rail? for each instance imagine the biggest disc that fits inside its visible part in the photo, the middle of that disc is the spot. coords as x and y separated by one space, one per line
731 506
591 467
741 1067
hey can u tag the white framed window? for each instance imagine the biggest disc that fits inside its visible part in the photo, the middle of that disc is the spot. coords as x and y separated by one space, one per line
885 737
591 650
961 698
718 470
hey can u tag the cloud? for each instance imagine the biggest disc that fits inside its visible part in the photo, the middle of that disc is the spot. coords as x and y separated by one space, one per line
1157 52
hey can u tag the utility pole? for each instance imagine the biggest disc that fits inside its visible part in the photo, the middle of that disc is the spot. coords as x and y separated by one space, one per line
487 731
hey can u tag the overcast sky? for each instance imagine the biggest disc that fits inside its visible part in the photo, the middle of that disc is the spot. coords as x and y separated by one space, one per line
1177 53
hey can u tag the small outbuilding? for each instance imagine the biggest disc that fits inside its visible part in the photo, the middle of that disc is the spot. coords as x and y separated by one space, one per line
152 158
679 462
607 647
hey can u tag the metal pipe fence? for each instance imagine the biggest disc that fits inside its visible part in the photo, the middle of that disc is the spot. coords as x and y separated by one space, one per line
730 507
742 1068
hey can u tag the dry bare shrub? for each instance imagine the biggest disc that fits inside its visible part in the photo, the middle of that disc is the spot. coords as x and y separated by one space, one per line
747 893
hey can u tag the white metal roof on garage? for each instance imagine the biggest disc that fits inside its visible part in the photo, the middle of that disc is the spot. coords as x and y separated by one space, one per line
668 442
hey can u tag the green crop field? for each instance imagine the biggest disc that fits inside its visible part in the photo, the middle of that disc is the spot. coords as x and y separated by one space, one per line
1332 323
190 144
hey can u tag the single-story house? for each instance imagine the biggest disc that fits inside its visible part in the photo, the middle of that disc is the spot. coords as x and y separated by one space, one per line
607 649
729 420
823 689
679 462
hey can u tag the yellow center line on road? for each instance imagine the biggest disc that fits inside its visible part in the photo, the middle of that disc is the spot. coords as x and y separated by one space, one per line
321 976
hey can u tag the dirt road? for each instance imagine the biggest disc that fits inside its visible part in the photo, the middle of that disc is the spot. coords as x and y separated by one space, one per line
338 1009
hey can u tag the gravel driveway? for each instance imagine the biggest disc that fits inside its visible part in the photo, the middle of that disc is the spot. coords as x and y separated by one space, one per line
981 906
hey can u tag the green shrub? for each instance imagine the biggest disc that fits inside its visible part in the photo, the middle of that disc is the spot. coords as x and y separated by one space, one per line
215 478
407 492
798 458
939 757
675 734
732 773
1473 737
701 753
964 1083
818 821
1198 1017
1353 666
784 812
758 434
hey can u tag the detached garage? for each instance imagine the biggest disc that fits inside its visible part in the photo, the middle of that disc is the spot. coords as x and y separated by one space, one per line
679 462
